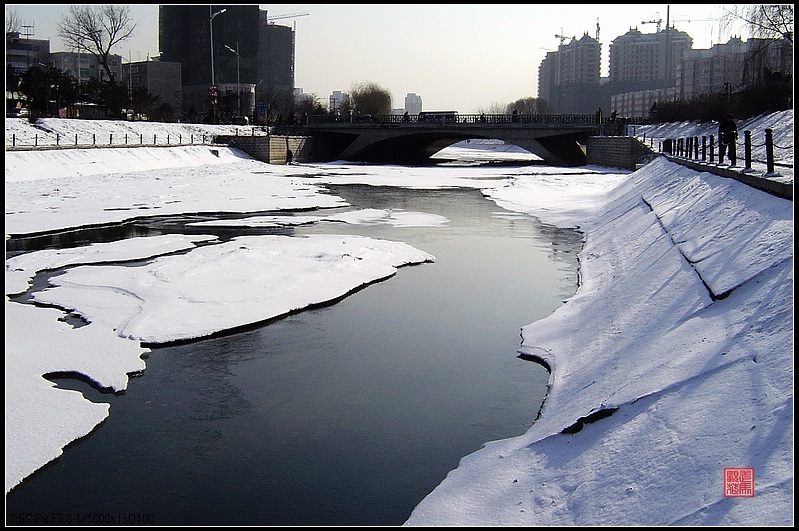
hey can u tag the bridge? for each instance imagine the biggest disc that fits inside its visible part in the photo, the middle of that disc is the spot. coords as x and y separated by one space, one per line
412 139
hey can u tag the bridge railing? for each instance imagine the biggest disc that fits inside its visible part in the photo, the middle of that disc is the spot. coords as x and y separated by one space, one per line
460 119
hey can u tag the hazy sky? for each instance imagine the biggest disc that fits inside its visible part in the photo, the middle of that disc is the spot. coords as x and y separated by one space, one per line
459 57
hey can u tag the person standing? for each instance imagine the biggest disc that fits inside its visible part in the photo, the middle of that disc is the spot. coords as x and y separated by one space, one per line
728 134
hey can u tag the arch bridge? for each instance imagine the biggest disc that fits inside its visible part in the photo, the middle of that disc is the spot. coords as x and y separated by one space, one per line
412 139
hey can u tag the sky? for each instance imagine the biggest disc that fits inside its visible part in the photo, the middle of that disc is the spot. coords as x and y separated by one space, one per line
465 57
672 362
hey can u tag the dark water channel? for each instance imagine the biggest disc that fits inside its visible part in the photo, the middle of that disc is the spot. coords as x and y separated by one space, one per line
347 414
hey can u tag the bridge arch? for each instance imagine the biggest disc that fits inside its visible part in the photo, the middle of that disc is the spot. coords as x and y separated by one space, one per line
558 141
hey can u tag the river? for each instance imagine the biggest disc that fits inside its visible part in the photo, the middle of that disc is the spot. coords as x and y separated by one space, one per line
346 414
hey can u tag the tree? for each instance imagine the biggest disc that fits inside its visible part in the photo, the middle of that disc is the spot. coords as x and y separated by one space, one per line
96 29
48 89
309 104
144 102
529 105
370 98
769 61
13 22
494 108
771 22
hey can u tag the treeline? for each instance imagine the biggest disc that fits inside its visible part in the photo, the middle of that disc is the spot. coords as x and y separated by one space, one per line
774 94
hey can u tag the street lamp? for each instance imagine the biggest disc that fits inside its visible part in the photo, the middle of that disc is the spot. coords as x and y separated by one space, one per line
213 79
211 24
238 73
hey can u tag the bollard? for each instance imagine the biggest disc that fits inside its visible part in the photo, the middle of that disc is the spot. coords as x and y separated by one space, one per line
696 147
770 150
747 150
111 139
704 148
94 139
154 140
712 149
14 140
36 140
76 139
141 138
126 139
56 139
167 139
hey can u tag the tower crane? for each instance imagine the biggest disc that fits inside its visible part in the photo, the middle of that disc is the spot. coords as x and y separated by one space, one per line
562 37
658 22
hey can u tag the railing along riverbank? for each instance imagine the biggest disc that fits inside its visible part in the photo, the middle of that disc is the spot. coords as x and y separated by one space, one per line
46 140
704 153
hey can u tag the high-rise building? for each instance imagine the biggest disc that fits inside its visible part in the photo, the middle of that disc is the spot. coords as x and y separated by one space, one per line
651 60
413 103
569 78
275 82
197 35
336 100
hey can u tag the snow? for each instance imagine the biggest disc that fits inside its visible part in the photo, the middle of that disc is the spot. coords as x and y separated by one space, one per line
672 362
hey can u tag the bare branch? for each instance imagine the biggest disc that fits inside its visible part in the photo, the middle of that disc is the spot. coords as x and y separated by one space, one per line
96 30
13 22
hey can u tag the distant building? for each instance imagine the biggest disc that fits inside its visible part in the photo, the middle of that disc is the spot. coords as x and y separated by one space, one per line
413 103
84 66
722 69
336 100
650 60
569 79
22 51
184 36
159 78
275 82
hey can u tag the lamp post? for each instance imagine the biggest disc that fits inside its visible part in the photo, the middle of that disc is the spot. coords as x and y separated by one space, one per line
211 17
238 73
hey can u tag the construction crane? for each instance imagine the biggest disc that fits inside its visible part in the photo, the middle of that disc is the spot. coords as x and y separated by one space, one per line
658 22
288 15
561 36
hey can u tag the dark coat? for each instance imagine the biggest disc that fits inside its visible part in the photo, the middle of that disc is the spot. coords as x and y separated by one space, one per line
728 131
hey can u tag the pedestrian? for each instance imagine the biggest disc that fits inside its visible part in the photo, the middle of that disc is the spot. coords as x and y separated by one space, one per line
728 134
599 116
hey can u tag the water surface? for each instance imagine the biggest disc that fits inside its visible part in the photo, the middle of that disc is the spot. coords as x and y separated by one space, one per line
347 414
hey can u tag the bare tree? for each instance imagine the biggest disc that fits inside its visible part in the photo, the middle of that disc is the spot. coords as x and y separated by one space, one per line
495 108
529 105
13 22
771 22
772 27
96 29
370 98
